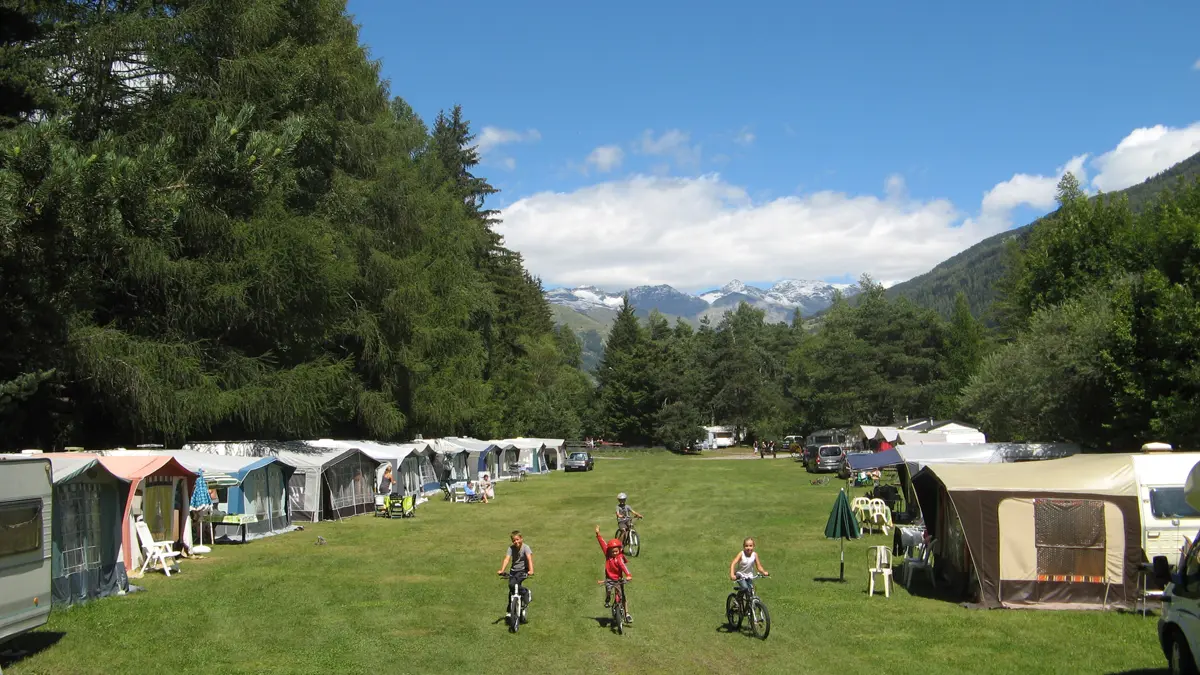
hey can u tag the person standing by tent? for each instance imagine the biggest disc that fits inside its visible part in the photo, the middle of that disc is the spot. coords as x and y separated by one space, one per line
385 484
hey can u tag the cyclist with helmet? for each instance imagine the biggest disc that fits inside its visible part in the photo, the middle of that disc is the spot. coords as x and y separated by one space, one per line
625 516
614 570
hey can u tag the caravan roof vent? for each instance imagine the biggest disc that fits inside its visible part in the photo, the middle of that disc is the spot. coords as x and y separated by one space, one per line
31 452
1157 447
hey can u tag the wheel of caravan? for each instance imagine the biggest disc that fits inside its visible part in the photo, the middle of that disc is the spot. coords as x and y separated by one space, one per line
760 619
733 615
635 543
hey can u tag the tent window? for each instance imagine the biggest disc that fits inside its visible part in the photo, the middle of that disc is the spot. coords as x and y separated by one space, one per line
1070 537
78 508
20 528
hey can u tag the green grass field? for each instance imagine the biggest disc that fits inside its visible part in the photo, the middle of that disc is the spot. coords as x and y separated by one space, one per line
421 595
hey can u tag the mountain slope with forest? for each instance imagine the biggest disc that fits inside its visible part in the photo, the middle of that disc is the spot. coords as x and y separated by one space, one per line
977 270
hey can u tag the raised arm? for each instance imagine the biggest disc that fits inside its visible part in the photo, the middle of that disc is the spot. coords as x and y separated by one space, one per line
600 538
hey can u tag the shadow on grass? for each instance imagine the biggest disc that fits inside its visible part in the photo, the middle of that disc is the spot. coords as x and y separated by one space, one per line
1144 671
829 580
22 647
734 630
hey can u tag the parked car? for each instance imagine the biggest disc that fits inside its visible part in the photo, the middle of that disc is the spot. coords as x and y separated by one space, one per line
826 458
1178 627
579 461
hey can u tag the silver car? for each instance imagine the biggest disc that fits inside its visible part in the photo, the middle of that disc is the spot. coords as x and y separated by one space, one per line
579 461
826 458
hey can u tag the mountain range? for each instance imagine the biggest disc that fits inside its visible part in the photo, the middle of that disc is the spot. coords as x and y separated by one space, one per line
975 271
590 308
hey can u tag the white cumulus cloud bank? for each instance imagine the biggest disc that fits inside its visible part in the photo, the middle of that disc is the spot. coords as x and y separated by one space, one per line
698 232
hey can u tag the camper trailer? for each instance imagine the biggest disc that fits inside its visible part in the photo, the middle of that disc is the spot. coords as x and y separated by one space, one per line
1167 518
25 563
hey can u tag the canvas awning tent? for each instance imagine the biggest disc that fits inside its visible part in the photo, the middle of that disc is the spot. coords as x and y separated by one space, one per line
454 462
326 484
412 463
919 437
484 457
889 434
532 453
553 452
87 530
252 487
1062 533
160 489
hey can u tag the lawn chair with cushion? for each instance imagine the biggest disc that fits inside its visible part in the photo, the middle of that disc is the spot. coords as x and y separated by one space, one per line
156 552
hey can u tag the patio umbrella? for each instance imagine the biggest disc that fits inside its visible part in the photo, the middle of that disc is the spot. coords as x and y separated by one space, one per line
201 501
842 525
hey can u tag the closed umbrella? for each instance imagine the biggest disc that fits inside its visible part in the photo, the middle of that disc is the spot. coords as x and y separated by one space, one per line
201 502
842 525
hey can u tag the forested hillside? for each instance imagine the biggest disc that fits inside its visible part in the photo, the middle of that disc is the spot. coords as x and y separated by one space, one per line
977 270
217 222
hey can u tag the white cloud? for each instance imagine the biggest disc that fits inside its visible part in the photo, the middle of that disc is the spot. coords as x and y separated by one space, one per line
672 143
698 232
508 163
493 137
606 158
1144 153
745 137
1196 65
703 231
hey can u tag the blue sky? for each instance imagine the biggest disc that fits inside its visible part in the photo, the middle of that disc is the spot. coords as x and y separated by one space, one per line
731 119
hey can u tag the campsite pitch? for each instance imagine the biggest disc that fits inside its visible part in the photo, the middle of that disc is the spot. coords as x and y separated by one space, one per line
421 594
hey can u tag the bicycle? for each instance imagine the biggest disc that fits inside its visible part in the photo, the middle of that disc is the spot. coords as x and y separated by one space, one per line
618 603
630 539
516 602
742 603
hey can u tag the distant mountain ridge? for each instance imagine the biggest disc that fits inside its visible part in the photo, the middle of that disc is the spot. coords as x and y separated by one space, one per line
780 302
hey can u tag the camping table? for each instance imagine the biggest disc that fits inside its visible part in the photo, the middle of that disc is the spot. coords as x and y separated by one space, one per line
239 519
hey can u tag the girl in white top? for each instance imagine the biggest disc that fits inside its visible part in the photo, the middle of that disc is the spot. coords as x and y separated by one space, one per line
744 564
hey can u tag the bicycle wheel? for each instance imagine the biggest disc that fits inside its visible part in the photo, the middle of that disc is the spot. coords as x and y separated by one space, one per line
760 618
733 611
619 616
635 543
514 611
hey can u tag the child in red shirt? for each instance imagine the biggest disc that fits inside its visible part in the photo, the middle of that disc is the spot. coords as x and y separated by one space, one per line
614 570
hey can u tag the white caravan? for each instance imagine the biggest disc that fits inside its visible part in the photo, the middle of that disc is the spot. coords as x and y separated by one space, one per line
1179 623
26 487
1166 516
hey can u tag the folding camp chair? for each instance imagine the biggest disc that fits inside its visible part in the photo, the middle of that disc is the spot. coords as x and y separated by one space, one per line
156 552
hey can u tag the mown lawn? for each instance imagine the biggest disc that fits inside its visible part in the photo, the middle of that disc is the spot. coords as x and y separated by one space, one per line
421 595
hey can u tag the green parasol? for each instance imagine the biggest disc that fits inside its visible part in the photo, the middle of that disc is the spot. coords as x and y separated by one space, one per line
842 525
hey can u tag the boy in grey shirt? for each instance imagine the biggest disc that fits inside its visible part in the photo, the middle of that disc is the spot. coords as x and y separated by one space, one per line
522 566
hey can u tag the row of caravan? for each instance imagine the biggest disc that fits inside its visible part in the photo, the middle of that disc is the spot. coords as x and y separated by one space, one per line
71 519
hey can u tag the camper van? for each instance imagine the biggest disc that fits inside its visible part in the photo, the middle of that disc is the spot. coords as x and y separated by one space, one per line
1179 623
25 498
1167 518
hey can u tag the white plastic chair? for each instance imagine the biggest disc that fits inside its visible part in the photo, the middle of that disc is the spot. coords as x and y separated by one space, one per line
923 561
881 517
158 552
883 567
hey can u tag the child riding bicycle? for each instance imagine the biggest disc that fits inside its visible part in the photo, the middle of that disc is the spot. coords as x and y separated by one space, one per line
625 516
521 557
743 566
614 570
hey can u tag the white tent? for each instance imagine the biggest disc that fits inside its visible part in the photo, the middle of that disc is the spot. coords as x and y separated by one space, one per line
532 453
919 437
455 462
328 484
484 457
412 463
554 452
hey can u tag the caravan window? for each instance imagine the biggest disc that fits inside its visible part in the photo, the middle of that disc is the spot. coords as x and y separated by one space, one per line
1070 537
1169 502
21 523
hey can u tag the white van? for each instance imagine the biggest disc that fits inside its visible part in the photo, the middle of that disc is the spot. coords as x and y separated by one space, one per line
26 487
1167 518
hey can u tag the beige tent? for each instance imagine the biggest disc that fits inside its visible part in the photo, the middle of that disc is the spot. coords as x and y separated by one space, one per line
1061 533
